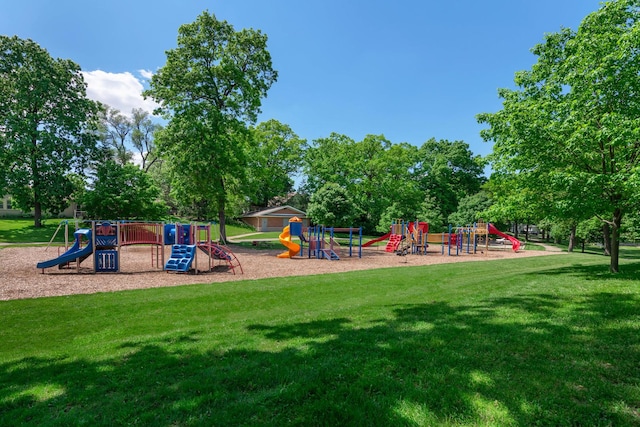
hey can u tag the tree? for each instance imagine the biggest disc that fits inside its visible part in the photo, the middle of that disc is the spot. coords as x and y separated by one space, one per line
47 125
470 209
589 231
374 172
276 156
517 200
122 192
330 159
117 131
574 121
448 171
212 82
142 137
332 206
384 181
631 229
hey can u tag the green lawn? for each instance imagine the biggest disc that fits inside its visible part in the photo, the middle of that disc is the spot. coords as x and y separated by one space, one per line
533 341
21 230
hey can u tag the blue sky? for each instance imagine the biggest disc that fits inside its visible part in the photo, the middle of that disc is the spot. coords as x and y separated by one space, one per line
408 69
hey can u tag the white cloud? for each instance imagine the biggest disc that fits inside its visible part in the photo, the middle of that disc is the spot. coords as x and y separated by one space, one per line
122 91
146 74
137 158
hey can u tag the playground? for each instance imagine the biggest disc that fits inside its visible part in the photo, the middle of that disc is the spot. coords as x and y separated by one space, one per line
20 278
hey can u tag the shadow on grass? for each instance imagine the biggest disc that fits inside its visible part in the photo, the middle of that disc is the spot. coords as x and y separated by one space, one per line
599 272
626 252
557 362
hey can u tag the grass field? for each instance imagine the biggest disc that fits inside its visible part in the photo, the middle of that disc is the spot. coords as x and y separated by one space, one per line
21 230
548 340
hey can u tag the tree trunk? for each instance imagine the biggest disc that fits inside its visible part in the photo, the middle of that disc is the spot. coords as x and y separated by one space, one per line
572 239
614 266
606 235
526 232
221 213
37 181
223 229
515 229
37 214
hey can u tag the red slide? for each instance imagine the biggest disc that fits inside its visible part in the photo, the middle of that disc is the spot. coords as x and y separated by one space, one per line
379 239
515 243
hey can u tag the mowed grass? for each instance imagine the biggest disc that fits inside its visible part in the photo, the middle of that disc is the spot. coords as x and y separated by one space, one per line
21 230
551 340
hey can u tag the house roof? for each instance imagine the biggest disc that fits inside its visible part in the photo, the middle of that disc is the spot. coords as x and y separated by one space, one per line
276 211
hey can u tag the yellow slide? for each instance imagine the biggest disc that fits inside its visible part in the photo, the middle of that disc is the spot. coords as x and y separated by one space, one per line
285 239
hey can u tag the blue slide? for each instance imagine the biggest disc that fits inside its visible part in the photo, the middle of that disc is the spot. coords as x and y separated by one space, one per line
74 251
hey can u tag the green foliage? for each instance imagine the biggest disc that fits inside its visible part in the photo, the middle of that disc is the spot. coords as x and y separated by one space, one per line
590 231
330 159
471 209
331 206
448 171
143 138
431 213
388 181
123 192
631 228
212 82
553 342
514 199
159 172
116 130
573 123
560 231
48 126
299 200
276 155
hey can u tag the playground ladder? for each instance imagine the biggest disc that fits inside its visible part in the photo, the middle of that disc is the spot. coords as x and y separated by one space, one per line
392 244
222 253
181 258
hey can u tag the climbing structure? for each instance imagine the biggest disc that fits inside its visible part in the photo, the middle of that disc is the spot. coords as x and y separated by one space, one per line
393 243
182 257
221 253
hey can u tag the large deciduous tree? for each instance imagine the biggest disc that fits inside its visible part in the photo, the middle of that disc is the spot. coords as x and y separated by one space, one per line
375 173
117 130
275 158
212 84
332 206
143 137
47 126
448 171
122 192
573 124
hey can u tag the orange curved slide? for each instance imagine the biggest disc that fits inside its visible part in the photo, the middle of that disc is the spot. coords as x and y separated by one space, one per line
293 247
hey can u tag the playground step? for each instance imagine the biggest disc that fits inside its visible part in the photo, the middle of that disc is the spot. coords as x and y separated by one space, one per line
394 241
181 258
329 254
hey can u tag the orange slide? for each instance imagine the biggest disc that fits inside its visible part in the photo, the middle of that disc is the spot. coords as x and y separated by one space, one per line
293 247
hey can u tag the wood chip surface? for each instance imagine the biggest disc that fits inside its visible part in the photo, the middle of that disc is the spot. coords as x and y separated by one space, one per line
19 277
